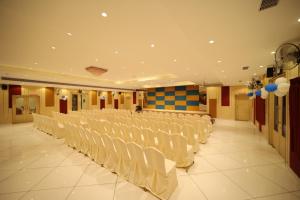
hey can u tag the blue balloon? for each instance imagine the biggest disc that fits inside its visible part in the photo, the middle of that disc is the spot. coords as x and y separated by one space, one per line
271 87
258 93
250 94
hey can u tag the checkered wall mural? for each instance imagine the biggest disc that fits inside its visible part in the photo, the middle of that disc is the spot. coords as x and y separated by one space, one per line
173 98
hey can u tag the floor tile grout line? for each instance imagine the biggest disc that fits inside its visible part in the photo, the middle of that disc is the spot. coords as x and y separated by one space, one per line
198 187
75 185
41 179
115 187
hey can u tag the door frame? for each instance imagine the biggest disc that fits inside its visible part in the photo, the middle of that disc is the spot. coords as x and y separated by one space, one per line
26 117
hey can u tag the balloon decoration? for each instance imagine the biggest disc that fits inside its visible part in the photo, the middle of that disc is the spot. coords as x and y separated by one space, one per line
271 87
280 88
258 93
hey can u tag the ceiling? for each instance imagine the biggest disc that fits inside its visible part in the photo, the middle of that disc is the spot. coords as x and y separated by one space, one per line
143 43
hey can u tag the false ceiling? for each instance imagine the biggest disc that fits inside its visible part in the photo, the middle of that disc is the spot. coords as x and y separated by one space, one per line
143 43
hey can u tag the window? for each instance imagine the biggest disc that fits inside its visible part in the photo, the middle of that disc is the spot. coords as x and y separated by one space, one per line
283 116
276 116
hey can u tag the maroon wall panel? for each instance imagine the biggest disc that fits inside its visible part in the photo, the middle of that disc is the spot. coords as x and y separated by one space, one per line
294 99
63 106
260 111
134 98
225 96
13 90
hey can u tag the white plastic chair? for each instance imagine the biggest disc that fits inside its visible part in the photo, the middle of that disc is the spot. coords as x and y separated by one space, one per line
183 153
111 159
138 167
162 180
122 167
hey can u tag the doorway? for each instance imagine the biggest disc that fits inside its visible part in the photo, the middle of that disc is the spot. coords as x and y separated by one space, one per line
116 104
242 107
63 106
102 104
84 101
277 124
213 108
23 106
74 102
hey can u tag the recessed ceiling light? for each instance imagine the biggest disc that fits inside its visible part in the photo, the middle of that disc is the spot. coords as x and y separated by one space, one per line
299 20
219 61
36 63
53 47
174 60
96 59
261 66
188 69
104 14
254 74
28 68
273 52
152 45
223 71
118 82
142 62
116 52
211 41
69 34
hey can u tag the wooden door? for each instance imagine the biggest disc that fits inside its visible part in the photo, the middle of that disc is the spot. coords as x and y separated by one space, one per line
294 108
213 108
102 104
23 106
63 106
116 104
242 107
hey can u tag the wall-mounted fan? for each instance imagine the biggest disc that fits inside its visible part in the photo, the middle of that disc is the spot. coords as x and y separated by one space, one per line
287 57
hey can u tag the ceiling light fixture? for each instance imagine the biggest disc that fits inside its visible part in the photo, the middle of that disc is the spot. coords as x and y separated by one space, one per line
174 60
261 66
152 45
96 59
142 62
299 20
53 47
69 34
116 52
36 63
219 61
254 74
222 71
273 52
104 14
211 41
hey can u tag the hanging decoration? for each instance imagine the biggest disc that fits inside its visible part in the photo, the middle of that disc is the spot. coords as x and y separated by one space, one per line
280 88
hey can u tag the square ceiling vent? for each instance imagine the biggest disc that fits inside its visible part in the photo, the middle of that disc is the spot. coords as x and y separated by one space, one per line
267 4
96 71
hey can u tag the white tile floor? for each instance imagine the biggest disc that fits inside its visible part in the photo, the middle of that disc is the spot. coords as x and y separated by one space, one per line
236 163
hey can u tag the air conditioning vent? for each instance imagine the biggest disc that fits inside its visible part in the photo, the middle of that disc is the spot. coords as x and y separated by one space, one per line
267 4
97 71
245 68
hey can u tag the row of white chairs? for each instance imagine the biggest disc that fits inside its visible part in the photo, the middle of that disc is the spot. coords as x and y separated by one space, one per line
145 167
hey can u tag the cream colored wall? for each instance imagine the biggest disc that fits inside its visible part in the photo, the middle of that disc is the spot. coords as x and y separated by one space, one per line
6 113
225 112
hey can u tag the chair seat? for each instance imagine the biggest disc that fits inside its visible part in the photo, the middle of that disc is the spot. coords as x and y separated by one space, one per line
169 165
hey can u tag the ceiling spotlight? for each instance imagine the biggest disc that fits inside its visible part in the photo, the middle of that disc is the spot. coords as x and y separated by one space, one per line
53 47
219 61
96 59
69 34
222 71
36 63
261 66
152 45
211 41
254 74
116 52
104 14
142 62
174 60
299 20
273 52
118 82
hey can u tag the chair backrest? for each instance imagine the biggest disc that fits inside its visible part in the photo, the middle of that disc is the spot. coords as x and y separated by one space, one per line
121 148
155 160
109 146
179 144
136 153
